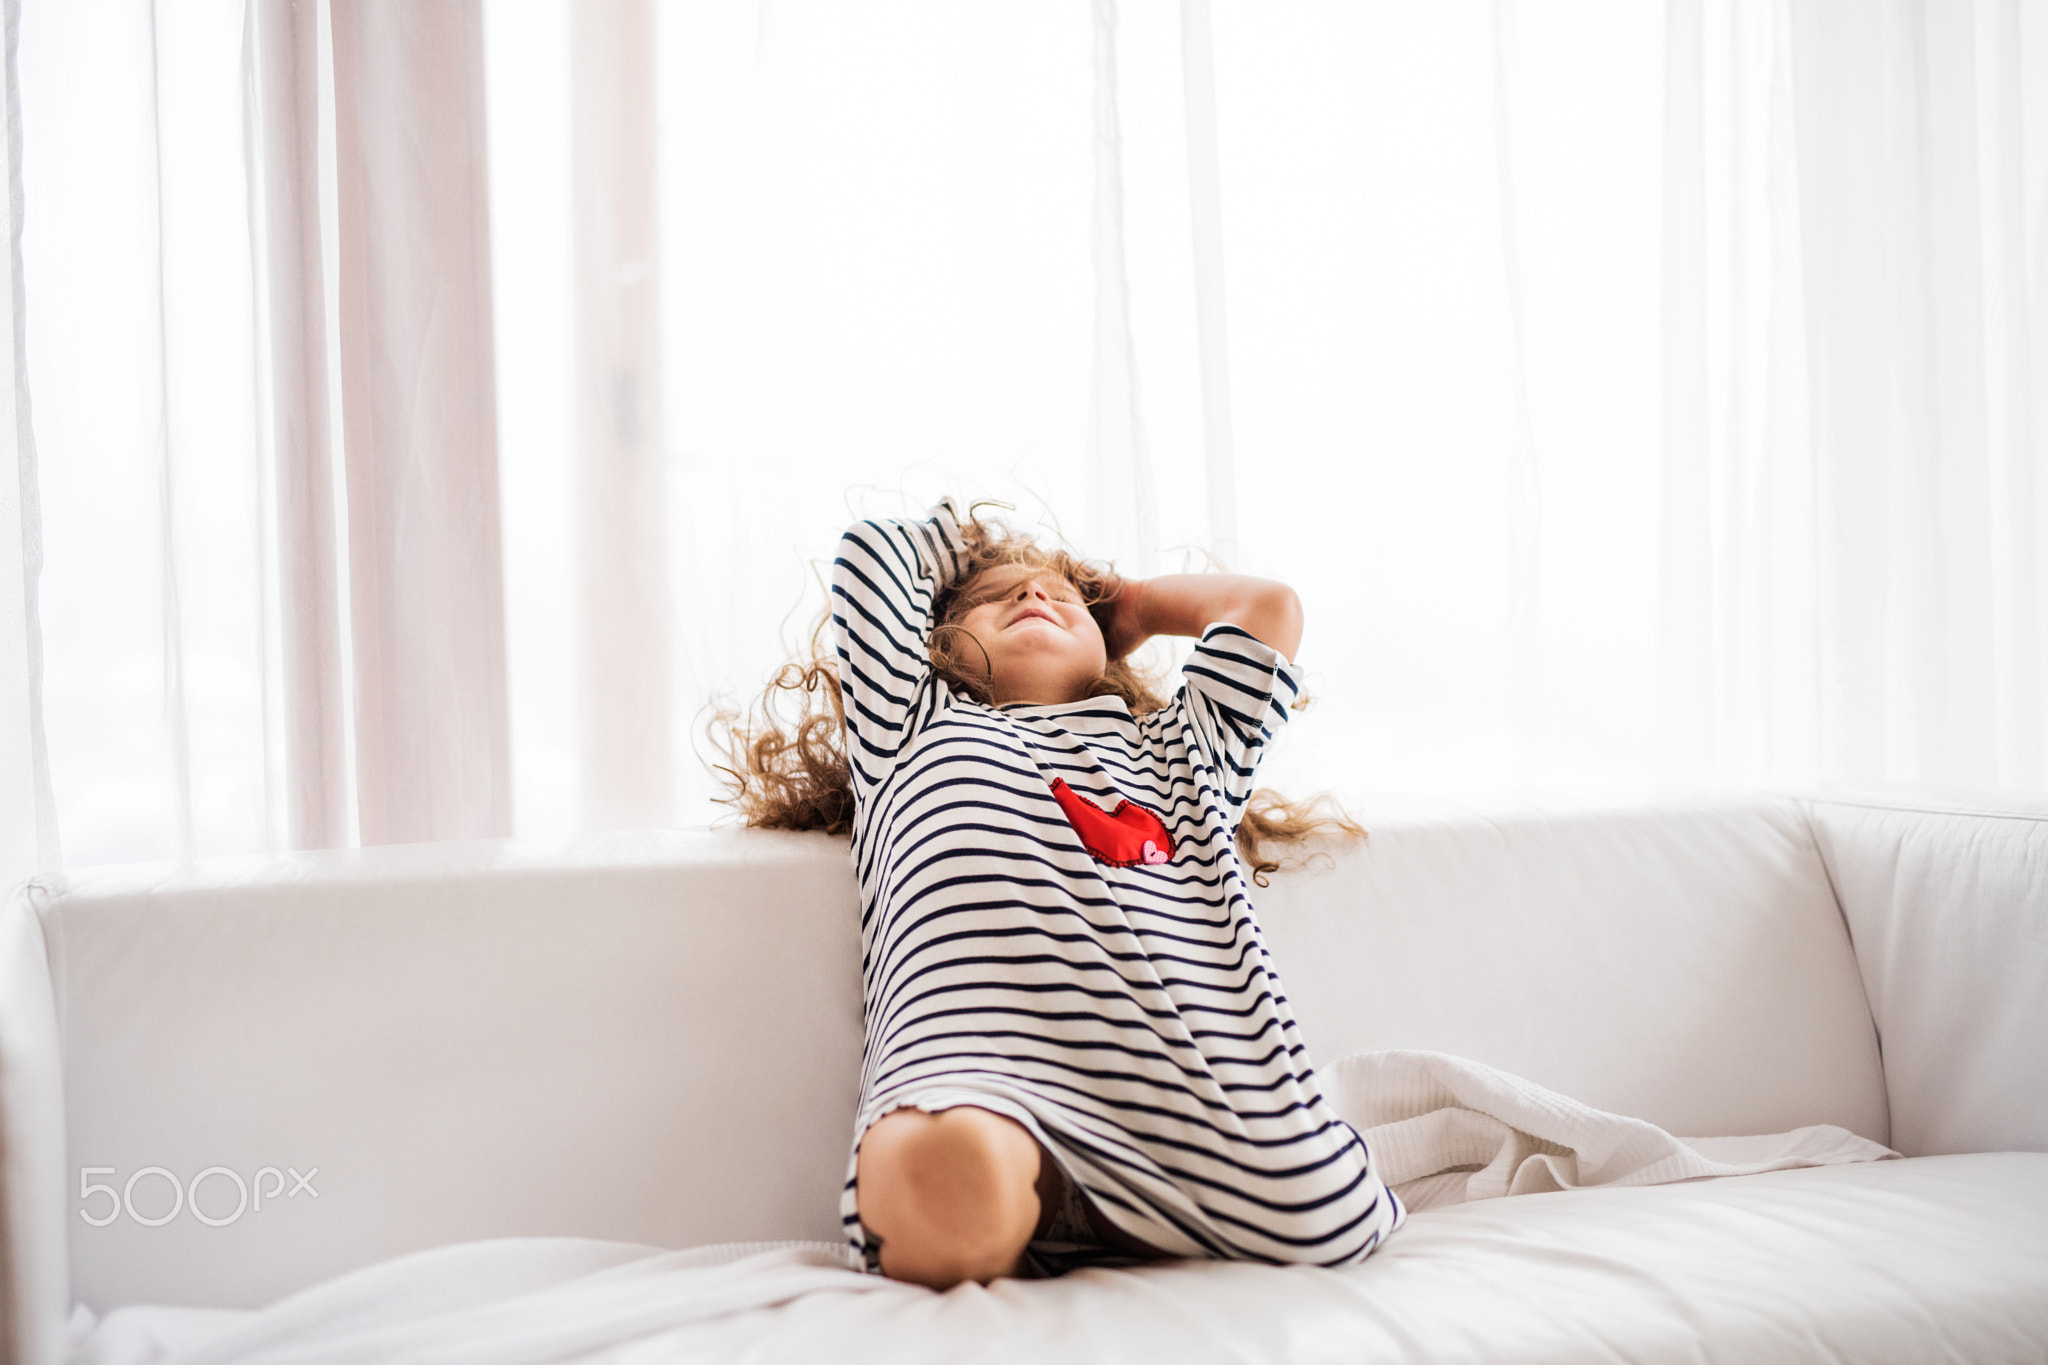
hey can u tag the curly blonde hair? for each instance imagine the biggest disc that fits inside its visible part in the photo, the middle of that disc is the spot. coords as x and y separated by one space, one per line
787 754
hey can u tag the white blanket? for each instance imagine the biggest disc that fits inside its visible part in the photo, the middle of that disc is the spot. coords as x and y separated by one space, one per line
516 1301
1442 1131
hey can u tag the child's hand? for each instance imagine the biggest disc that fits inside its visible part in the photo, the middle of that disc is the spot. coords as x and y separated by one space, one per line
1117 614
1134 610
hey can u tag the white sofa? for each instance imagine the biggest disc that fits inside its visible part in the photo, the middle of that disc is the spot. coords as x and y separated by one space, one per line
653 1038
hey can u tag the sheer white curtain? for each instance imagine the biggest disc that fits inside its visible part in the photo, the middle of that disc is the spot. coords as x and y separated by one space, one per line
1317 291
1855 352
28 823
257 304
1635 397
135 311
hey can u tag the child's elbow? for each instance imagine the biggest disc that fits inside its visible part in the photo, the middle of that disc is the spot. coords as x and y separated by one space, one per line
1275 618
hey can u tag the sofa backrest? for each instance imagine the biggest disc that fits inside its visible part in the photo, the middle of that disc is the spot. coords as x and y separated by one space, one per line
1946 897
644 1038
655 1037
1684 963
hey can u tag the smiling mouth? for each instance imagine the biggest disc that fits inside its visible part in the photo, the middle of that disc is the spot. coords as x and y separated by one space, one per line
1036 613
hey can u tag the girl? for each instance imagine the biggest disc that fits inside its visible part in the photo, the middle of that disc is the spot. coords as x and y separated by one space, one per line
1076 1045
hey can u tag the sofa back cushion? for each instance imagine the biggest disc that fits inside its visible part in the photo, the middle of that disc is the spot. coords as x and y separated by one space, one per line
656 1037
645 1038
1685 964
1947 902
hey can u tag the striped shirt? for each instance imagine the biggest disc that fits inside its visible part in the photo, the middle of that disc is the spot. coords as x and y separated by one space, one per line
1128 1016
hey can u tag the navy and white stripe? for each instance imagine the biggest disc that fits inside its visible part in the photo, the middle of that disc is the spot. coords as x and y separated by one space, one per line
1130 1017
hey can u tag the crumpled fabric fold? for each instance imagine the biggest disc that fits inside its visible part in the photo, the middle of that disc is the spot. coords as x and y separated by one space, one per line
1445 1130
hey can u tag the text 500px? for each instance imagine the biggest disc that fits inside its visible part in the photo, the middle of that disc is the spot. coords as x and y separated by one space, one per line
165 1197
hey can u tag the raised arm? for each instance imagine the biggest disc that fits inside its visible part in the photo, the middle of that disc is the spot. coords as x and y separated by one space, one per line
883 581
1187 603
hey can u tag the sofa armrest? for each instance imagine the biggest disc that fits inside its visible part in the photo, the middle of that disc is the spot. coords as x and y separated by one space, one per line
34 1261
1946 899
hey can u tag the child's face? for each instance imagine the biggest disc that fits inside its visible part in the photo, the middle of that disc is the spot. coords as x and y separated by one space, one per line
1043 643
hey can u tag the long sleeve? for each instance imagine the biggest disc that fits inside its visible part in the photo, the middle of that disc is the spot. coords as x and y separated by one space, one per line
883 581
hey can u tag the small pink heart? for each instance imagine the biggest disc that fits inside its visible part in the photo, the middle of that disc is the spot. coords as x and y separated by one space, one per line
1155 854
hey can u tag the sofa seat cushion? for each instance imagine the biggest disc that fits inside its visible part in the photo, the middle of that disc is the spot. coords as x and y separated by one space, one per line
1898 1261
1936 1258
1920 1260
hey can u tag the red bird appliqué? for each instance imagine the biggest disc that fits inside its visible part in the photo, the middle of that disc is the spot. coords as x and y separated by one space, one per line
1124 837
